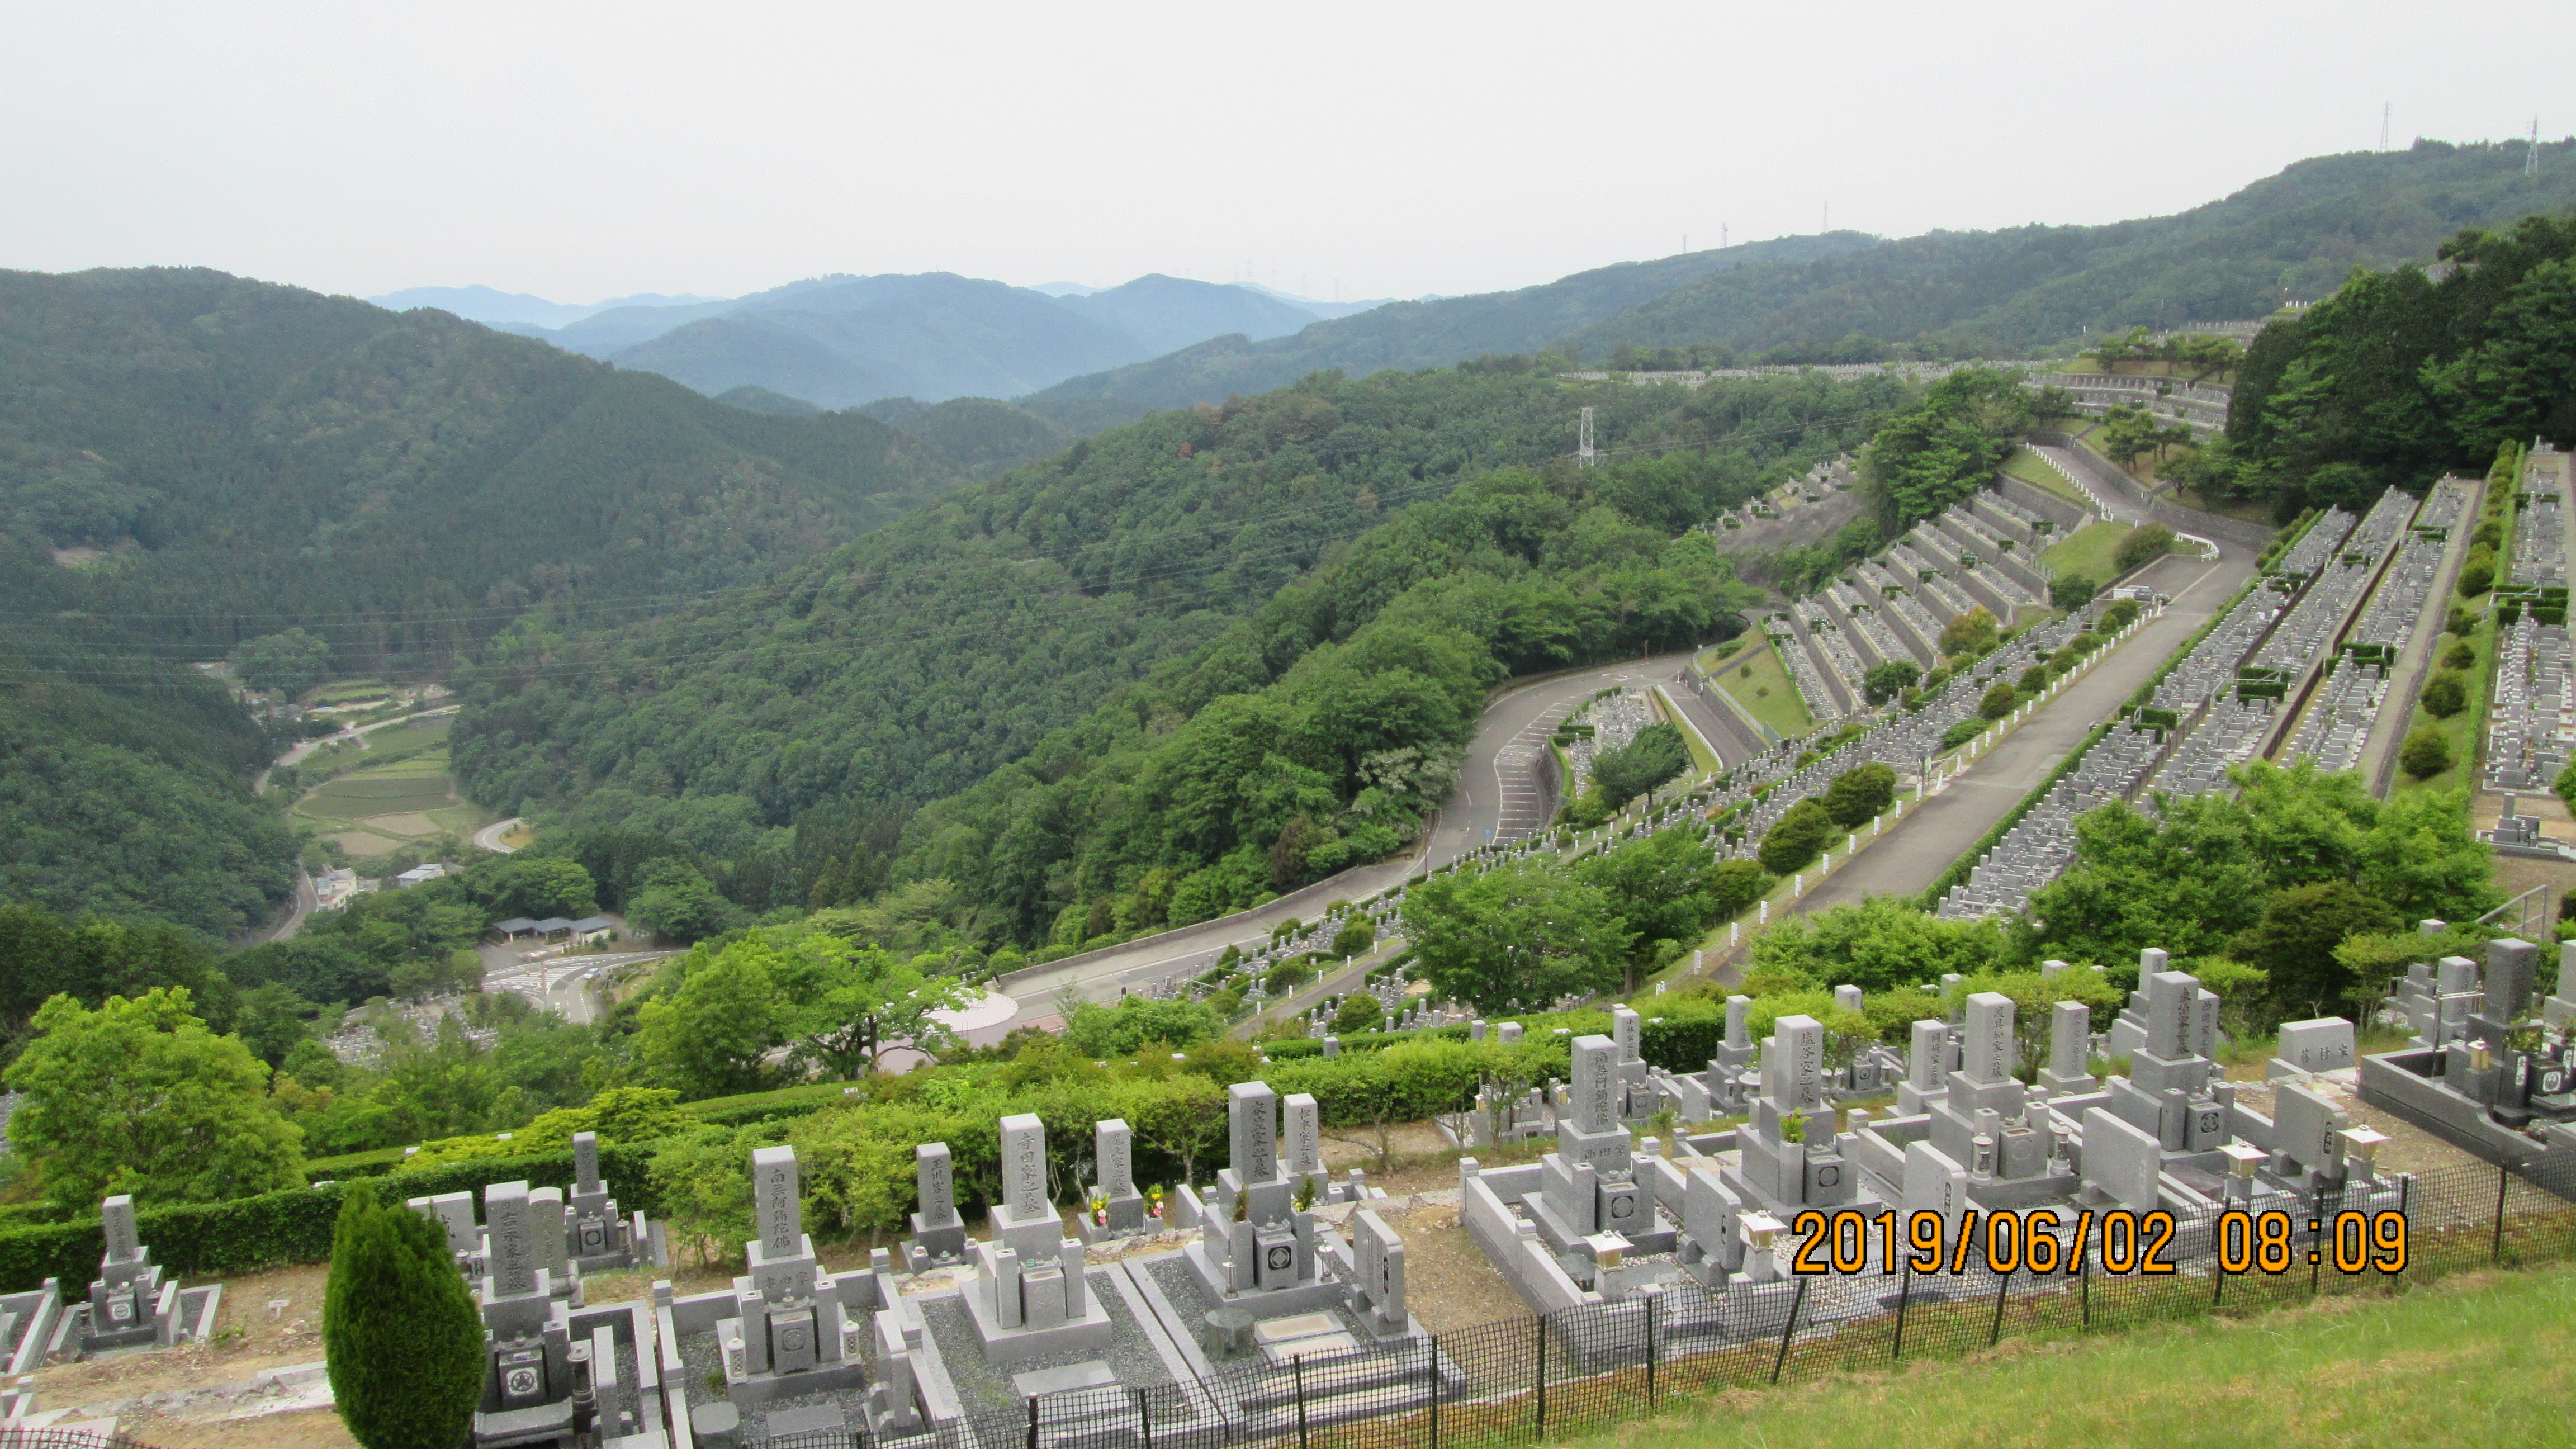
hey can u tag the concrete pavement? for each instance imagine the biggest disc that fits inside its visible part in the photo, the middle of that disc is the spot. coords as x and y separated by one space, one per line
489 837
1499 798
1914 853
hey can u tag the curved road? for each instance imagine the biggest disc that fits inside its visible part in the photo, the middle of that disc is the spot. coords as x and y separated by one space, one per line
301 748
489 837
1499 799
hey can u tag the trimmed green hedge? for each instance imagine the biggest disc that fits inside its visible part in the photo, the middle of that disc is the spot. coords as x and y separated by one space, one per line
247 1233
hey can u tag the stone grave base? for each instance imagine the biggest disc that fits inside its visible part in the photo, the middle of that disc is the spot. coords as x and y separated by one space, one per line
2023 1192
192 1321
765 1389
1317 1294
1092 1331
536 1424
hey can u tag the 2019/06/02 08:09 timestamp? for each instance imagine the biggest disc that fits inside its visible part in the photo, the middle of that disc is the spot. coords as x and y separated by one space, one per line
2046 1240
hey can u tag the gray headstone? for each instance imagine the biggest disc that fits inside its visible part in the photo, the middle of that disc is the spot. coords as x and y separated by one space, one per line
1847 998
775 1203
1305 1132
116 1217
1736 1009
934 1179
2567 972
2322 1045
1793 1062
2513 967
1934 1182
585 1161
2070 1038
1024 1190
1509 1031
1114 1146
2304 1124
2151 961
1595 1083
1252 1123
1923 1055
513 1244
1627 1029
2121 1161
1989 1052
2169 1014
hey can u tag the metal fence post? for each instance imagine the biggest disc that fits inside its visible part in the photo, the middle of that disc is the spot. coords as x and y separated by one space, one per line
1542 1375
1996 1335
1144 1421
2495 1254
1650 1350
2084 1276
1297 1366
1433 1344
1904 1295
1788 1328
1033 1421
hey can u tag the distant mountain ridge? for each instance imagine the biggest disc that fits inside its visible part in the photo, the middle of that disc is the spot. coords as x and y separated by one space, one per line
514 311
2294 235
1406 334
839 341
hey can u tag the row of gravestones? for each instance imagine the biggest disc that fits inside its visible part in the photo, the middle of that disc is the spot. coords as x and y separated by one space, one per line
1966 1134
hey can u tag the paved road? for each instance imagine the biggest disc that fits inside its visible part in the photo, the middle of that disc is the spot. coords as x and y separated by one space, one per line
1498 798
489 837
1915 852
301 748
304 904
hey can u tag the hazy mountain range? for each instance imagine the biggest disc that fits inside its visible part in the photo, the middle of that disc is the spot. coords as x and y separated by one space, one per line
839 341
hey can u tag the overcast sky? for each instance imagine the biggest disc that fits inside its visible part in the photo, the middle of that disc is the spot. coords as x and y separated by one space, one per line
581 151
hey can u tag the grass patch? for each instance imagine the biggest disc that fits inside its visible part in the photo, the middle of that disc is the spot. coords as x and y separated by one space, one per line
1758 681
2032 469
342 691
2244 510
2088 552
2484 1358
2466 731
410 736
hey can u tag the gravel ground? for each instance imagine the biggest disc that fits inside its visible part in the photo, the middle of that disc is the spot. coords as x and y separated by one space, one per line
1130 1355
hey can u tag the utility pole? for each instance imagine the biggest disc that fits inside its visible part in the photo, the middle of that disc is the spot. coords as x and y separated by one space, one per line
2531 161
1584 457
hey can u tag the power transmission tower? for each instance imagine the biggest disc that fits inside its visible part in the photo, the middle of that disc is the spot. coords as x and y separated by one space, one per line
2531 161
1584 456
2384 107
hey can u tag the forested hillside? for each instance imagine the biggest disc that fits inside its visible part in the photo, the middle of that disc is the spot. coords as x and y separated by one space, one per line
2399 377
125 788
1848 298
2293 236
1405 334
913 663
223 458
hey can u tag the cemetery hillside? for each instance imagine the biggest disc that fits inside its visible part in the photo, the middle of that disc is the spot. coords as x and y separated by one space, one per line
1968 834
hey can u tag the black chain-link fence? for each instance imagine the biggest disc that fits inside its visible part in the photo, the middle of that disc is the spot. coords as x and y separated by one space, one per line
1590 1367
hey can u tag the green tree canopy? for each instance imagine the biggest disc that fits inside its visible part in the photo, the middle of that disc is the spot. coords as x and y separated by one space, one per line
139 1097
1516 937
1656 755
